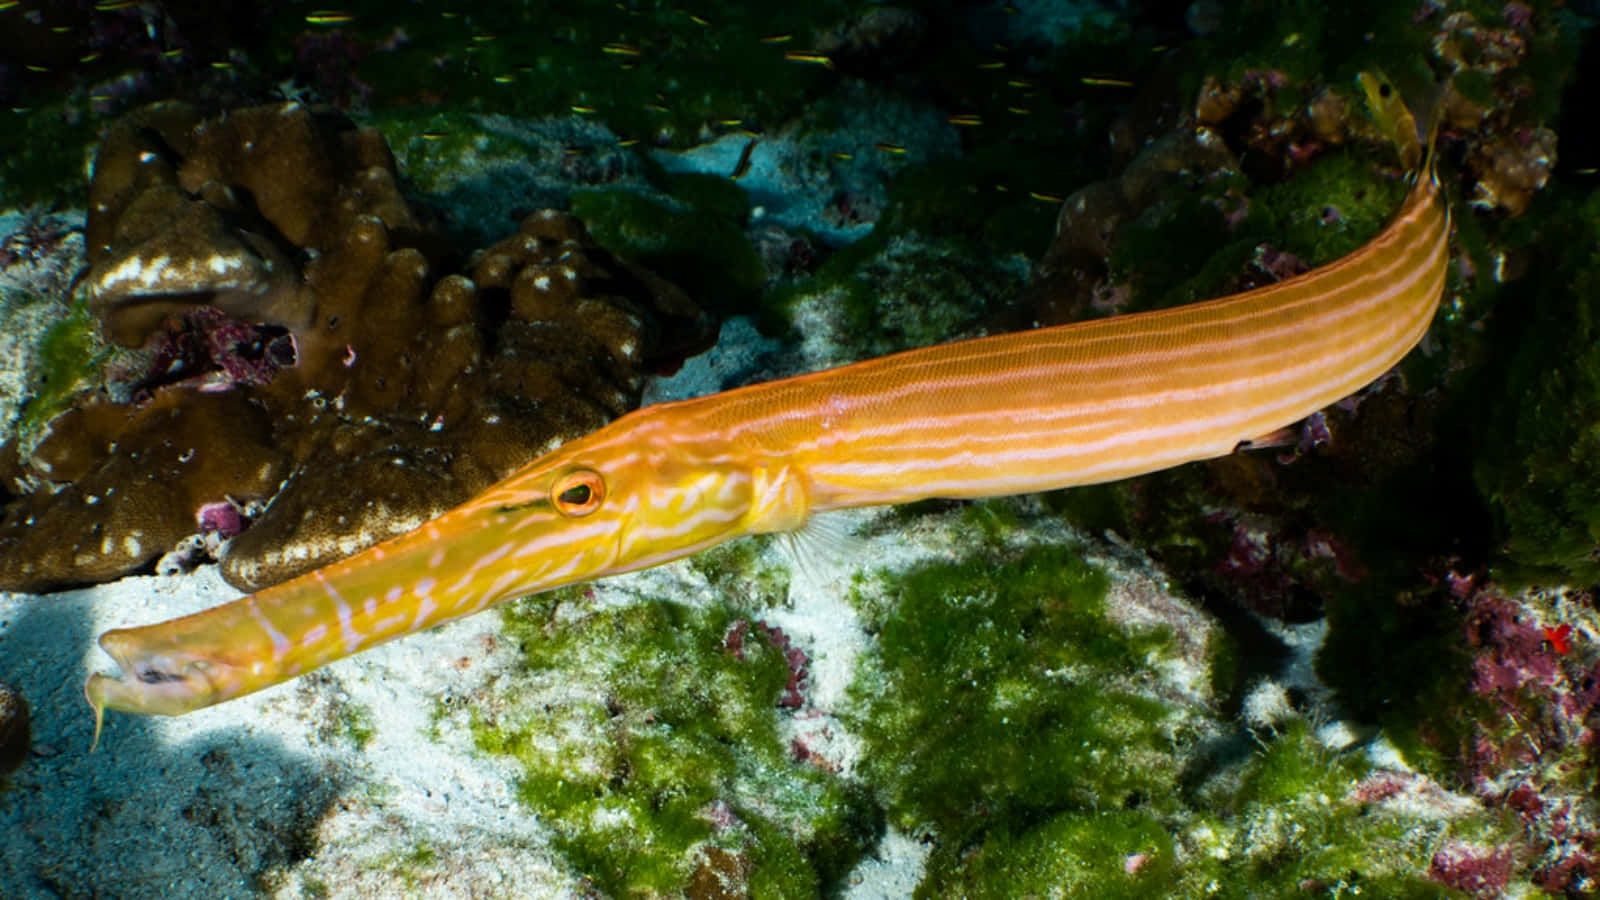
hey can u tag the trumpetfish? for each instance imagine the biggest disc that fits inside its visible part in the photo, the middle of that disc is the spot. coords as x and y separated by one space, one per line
1008 414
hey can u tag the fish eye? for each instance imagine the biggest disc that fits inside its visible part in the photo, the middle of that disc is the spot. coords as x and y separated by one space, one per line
578 493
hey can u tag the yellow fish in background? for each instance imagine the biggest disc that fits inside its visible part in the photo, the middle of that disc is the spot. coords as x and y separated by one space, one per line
1016 413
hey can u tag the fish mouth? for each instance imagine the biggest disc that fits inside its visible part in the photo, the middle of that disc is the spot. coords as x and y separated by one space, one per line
146 687
151 683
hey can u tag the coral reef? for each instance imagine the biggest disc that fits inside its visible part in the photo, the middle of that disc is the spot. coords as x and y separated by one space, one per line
277 288
1344 702
110 488
185 209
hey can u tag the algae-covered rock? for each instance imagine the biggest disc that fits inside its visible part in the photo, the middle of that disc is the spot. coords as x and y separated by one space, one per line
885 295
649 740
1541 461
47 344
1002 689
701 248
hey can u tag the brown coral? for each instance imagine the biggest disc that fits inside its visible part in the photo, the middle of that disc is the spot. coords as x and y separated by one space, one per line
1510 157
344 387
579 328
184 210
1071 275
117 486
1511 168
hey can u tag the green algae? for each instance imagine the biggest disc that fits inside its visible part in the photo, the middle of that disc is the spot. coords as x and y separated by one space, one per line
999 691
1182 250
886 293
1299 825
70 356
1329 209
1286 821
1394 653
1086 854
738 569
409 867
1003 718
42 154
1009 724
1540 460
700 249
665 761
353 723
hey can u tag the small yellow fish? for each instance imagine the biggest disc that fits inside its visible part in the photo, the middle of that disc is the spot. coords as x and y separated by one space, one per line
816 59
329 17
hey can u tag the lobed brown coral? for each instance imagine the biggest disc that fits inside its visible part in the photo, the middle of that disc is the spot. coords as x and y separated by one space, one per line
299 358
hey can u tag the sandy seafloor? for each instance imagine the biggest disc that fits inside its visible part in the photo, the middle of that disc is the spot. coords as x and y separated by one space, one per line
194 806
200 805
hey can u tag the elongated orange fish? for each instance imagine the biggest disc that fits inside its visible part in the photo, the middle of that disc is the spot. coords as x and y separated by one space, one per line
1015 413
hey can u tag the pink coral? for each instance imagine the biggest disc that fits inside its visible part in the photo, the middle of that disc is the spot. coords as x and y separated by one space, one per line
1479 870
793 657
223 519
1548 693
